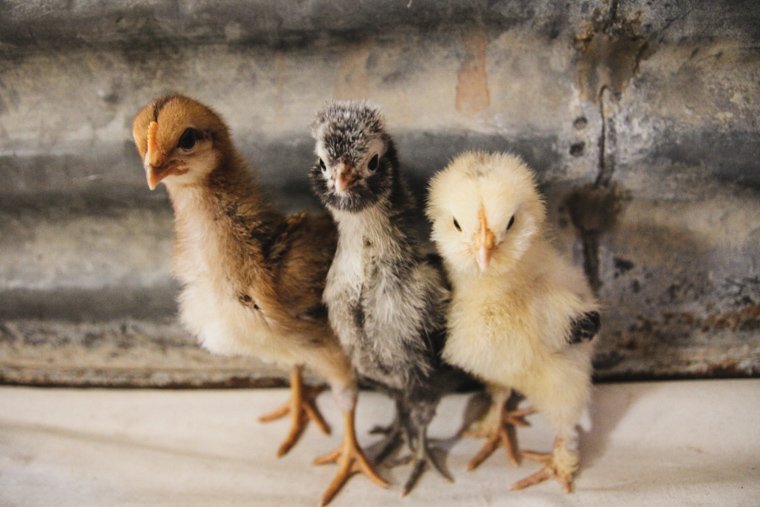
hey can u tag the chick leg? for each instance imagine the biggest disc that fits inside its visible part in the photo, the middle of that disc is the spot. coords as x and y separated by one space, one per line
301 407
423 455
350 459
560 464
416 414
498 426
393 436
560 393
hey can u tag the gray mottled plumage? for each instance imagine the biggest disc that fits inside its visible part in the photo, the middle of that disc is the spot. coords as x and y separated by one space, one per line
387 301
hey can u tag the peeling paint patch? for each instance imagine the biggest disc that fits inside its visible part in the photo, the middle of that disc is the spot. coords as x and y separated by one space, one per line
473 95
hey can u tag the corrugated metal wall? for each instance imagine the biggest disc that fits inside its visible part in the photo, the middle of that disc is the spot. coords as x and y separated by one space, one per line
640 117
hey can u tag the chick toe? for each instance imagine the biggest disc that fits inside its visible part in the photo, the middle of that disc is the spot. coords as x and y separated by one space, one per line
302 408
560 464
502 430
350 459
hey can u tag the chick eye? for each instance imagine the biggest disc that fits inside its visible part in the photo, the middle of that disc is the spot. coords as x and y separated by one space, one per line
373 163
511 221
322 165
456 224
187 139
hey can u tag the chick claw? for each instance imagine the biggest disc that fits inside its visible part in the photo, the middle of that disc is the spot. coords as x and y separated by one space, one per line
351 460
502 431
302 408
420 456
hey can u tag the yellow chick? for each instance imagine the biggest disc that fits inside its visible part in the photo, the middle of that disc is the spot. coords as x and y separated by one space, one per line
522 317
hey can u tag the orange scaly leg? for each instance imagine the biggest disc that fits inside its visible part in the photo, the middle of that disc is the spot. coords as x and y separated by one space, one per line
301 407
500 430
350 459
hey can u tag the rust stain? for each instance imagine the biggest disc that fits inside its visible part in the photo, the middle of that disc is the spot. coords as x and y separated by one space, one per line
725 368
472 81
743 319
351 80
609 56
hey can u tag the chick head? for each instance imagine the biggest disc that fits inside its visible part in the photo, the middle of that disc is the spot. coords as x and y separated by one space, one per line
356 155
486 212
180 140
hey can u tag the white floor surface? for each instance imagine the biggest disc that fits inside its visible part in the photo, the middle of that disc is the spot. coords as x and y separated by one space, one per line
661 443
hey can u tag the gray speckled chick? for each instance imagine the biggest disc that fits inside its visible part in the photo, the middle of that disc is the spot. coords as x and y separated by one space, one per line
387 301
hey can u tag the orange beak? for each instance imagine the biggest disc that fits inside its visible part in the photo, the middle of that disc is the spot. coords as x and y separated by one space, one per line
484 242
344 179
154 159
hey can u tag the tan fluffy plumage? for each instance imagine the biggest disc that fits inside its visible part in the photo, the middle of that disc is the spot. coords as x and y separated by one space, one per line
252 278
522 317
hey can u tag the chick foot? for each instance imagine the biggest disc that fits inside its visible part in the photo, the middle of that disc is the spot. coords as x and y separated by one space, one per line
421 456
393 438
498 426
301 407
351 460
560 464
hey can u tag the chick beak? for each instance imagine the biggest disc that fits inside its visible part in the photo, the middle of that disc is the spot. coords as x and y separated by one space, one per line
344 179
485 242
154 159
484 258
154 177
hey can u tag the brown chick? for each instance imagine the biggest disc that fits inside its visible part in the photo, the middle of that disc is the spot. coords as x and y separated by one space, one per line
251 278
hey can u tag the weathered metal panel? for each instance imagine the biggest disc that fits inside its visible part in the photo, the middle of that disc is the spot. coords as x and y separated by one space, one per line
641 120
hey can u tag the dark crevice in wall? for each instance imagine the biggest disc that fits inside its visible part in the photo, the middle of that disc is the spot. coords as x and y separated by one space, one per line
594 207
607 139
590 242
600 197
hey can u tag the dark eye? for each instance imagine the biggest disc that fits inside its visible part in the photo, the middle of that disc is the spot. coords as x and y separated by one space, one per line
373 163
322 165
511 221
187 139
456 224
